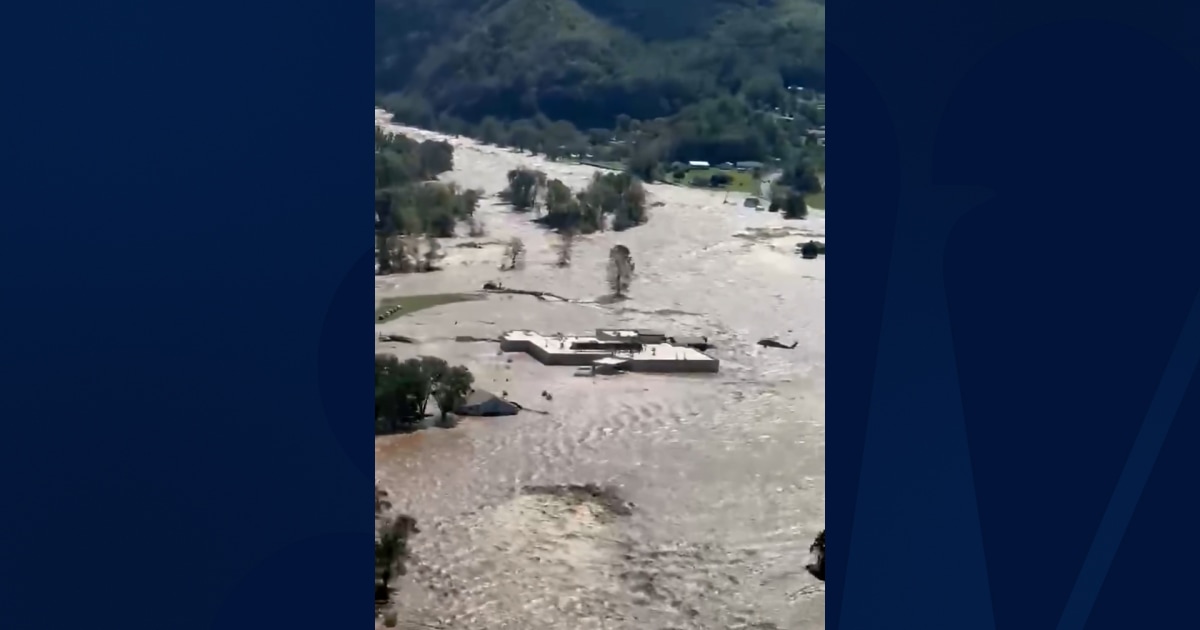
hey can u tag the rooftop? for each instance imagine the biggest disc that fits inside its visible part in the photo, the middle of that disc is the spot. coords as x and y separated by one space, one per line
564 344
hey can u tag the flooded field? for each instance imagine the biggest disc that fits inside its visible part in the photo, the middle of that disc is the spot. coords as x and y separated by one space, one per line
724 474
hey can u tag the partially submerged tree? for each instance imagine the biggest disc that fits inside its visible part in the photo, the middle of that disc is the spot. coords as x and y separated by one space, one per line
566 244
514 255
451 389
408 204
403 390
620 270
558 197
524 186
794 206
618 194
391 555
433 253
812 249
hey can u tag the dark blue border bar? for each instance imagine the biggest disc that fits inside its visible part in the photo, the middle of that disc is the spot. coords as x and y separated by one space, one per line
1013 320
179 215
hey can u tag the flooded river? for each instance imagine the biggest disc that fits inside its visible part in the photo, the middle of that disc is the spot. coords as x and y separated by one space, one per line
725 472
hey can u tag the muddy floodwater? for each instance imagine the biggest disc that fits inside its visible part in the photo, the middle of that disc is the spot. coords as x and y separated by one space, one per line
723 474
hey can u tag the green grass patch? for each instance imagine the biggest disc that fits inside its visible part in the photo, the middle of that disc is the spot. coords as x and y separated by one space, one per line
816 201
742 181
413 303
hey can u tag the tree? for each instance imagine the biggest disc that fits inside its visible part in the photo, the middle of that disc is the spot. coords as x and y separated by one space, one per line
401 390
645 163
514 254
620 270
558 196
433 253
407 206
451 389
435 157
391 555
802 177
524 135
591 212
562 208
619 194
470 201
523 188
705 69
566 244
794 206
491 131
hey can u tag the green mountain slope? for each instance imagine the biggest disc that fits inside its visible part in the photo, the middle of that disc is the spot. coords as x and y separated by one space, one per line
590 61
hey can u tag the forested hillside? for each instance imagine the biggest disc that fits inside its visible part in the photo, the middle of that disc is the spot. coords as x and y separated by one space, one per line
712 72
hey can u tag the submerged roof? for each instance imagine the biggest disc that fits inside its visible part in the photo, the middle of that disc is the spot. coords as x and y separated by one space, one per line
481 396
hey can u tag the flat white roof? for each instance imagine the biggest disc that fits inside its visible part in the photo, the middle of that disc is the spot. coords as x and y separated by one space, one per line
618 333
562 345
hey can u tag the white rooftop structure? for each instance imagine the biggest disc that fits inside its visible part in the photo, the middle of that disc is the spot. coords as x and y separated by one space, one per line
698 164
637 351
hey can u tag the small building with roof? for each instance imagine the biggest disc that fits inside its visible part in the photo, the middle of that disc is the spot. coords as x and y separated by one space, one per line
485 403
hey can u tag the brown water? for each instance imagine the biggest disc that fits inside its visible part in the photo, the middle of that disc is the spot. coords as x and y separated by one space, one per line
725 471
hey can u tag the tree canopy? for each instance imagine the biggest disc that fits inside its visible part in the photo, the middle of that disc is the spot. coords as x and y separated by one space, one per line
685 80
409 203
403 390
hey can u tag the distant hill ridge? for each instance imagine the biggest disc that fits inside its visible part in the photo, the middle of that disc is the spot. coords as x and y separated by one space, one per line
590 61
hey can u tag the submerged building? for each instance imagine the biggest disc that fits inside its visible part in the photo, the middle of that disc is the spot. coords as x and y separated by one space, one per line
485 403
611 350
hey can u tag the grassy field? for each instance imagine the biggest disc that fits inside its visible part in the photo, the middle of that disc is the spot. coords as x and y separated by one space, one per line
743 181
413 303
816 201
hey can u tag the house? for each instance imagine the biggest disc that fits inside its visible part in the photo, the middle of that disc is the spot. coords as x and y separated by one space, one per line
610 349
749 165
483 403
698 164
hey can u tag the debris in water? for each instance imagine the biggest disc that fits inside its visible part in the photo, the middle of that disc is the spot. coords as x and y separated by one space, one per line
605 497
